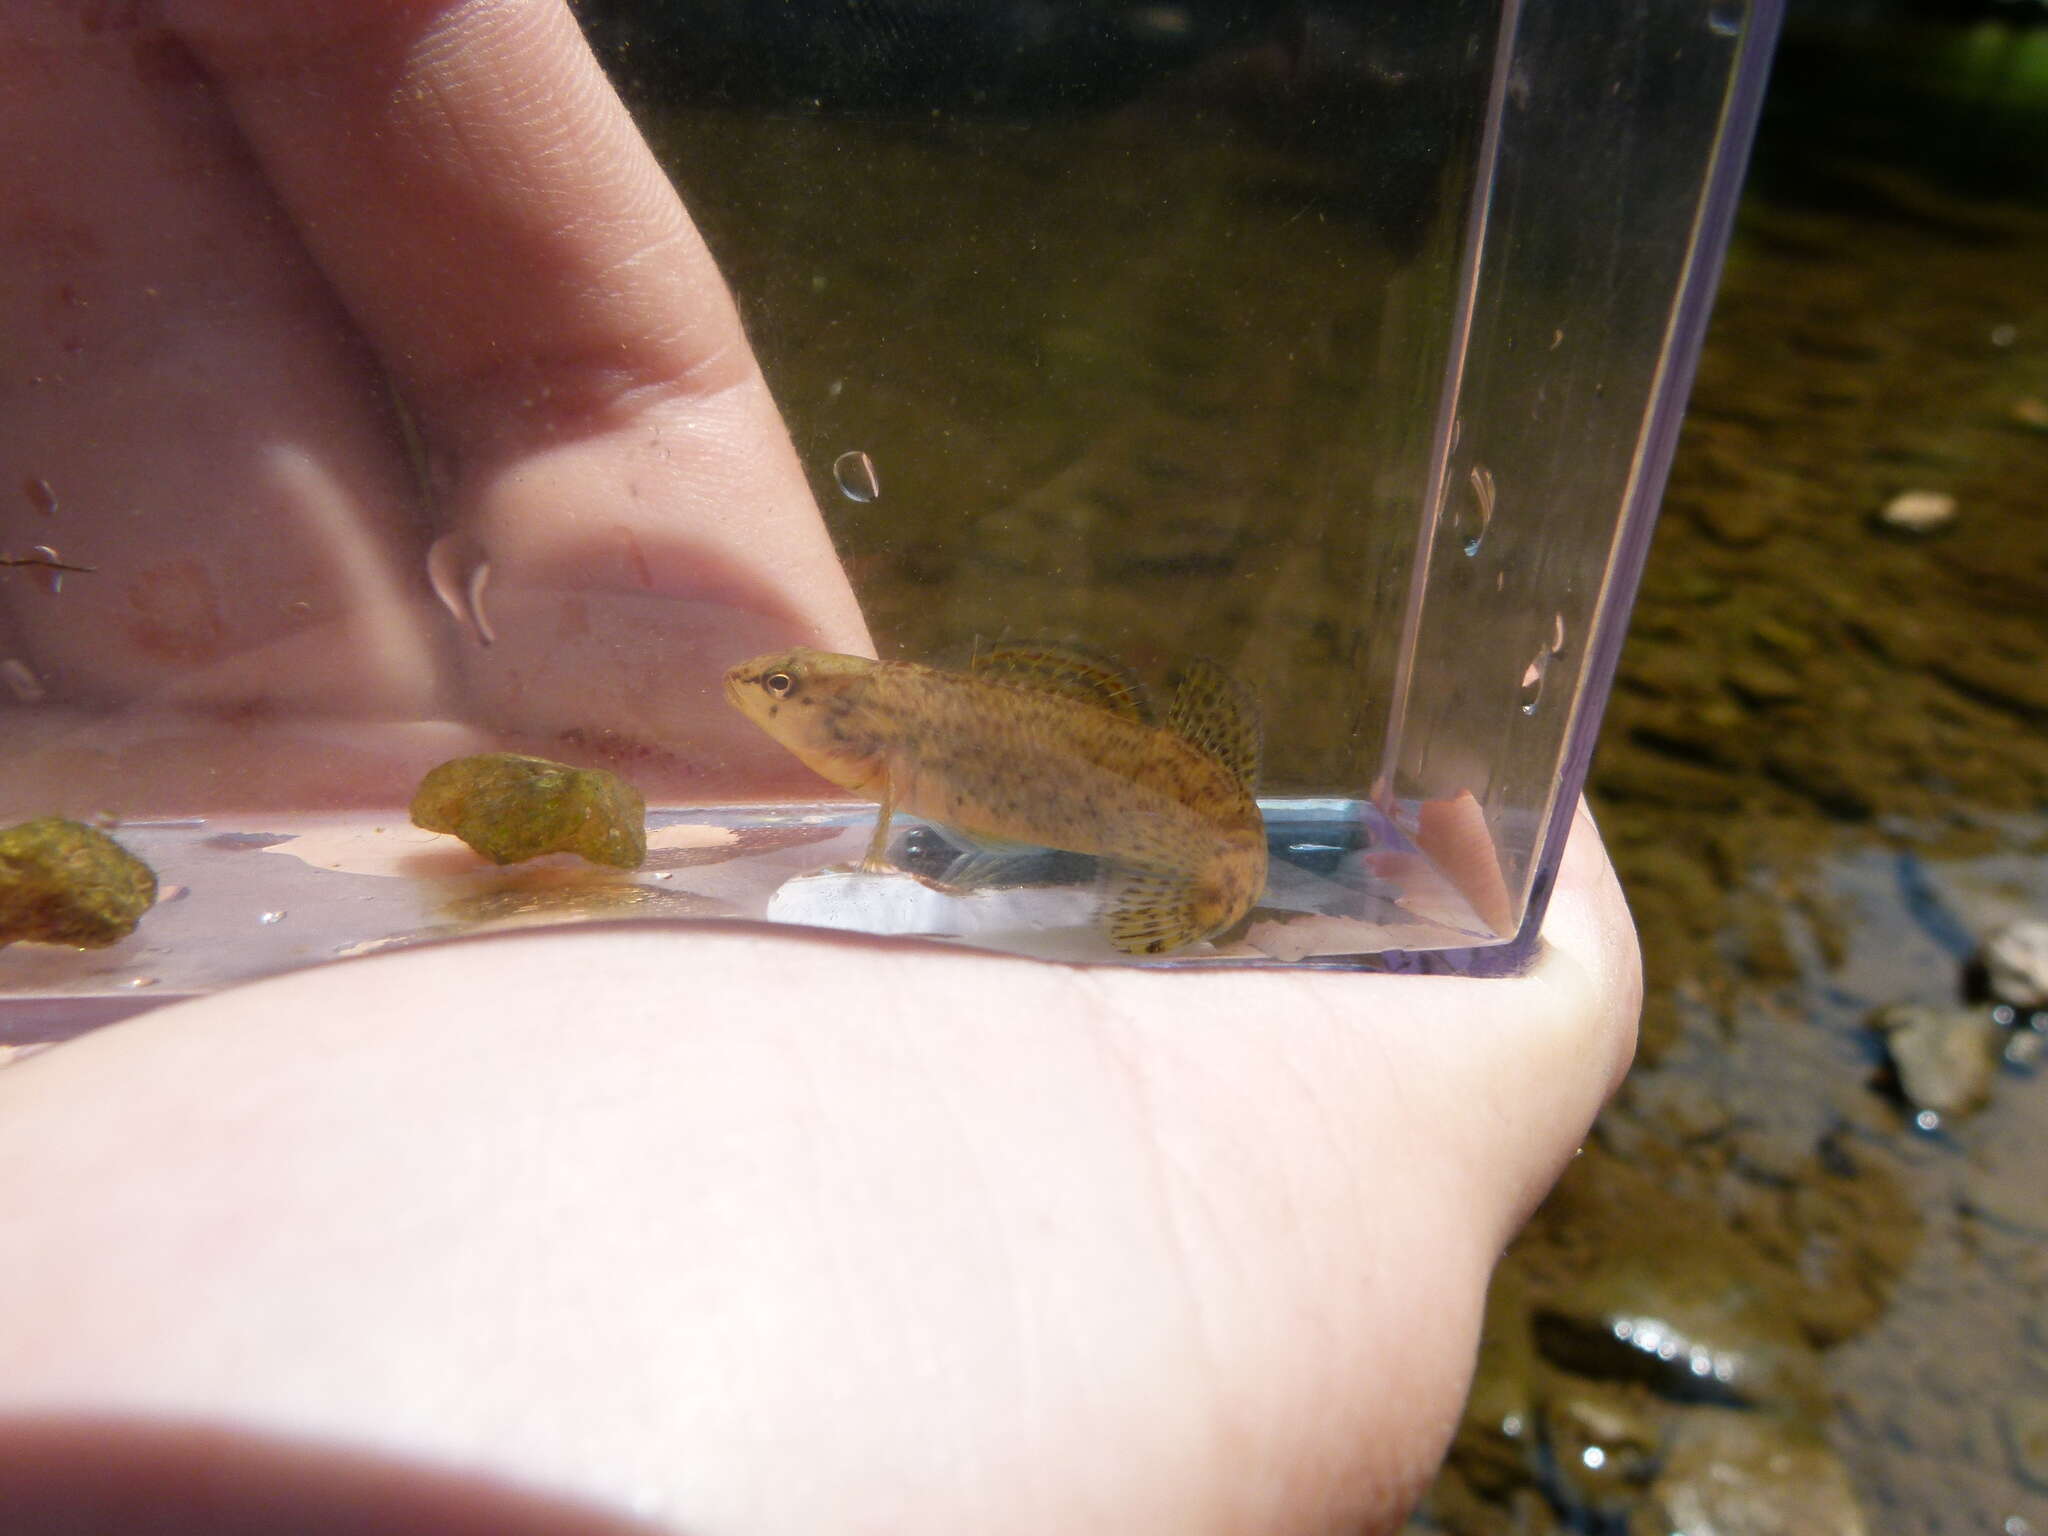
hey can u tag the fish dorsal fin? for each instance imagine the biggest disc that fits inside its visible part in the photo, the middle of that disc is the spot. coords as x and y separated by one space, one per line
1067 672
1215 712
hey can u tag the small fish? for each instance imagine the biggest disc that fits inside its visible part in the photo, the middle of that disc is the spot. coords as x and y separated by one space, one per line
1048 747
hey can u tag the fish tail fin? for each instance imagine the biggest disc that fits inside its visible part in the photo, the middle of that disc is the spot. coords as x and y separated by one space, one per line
1153 910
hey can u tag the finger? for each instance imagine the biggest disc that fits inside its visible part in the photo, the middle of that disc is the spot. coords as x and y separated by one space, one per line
184 408
607 445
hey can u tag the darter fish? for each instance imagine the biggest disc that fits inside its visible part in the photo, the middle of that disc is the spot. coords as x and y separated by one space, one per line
1039 745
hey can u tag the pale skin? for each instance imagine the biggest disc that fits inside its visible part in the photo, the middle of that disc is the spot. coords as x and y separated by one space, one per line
662 1228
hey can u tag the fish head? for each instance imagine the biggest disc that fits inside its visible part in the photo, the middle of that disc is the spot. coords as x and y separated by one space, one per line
814 703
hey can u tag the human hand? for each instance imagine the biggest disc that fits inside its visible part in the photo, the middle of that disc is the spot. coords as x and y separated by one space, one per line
756 1232
709 1229
232 233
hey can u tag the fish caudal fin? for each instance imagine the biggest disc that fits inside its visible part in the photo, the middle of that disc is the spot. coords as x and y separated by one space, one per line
1156 911
1066 673
1219 715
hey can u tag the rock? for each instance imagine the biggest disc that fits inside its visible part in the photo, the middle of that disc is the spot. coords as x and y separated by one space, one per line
1919 511
2024 1422
1732 519
510 807
62 882
1784 638
1946 1058
1764 682
1822 774
2016 964
1740 1474
1604 1442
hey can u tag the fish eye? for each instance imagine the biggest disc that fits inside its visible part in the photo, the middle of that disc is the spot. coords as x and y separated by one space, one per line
779 684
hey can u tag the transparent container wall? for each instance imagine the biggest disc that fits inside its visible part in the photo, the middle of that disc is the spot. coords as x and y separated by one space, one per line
1341 346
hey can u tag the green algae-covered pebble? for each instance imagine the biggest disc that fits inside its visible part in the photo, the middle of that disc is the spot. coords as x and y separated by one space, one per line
62 882
508 807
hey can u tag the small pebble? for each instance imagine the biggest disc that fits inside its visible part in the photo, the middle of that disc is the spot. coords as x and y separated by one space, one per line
1919 511
2016 964
1946 1059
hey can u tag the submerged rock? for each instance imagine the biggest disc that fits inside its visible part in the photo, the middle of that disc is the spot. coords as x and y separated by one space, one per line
1604 1441
2016 964
1648 1292
1743 1474
508 807
1946 1058
62 882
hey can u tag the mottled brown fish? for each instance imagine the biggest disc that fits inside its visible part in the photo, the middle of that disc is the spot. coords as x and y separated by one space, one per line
1043 746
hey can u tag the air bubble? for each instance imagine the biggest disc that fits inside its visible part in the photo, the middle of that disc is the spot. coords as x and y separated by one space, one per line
459 576
26 687
1725 20
1475 513
855 472
136 982
269 919
1556 633
40 496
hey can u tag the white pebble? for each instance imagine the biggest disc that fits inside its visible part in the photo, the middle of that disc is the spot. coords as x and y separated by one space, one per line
2016 964
1919 511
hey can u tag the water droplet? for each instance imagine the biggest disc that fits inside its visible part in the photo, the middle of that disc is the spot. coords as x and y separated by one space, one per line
459 574
53 578
1927 1120
1556 633
268 918
1725 20
1532 681
1593 1457
44 500
2004 1015
26 687
855 472
139 981
1475 513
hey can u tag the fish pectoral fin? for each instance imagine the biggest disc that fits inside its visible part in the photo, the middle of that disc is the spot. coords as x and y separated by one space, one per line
986 868
1067 672
1152 910
1219 715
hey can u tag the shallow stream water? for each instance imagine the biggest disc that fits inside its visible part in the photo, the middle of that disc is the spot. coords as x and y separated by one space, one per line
1824 778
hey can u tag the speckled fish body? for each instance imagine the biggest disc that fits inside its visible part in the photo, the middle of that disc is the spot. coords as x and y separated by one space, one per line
1064 757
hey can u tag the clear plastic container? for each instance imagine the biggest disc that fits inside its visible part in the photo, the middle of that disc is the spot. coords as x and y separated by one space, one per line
1343 347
